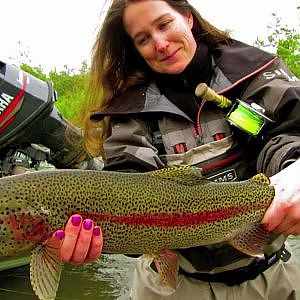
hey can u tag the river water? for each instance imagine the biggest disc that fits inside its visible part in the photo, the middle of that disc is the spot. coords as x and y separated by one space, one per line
107 279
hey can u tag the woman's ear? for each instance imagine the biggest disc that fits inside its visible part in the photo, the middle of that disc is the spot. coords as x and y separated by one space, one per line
190 20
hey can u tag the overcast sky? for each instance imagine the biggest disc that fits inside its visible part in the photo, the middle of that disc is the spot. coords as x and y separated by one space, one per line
54 33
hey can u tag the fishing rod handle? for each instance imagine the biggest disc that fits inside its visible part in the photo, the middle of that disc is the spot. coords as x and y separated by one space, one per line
208 94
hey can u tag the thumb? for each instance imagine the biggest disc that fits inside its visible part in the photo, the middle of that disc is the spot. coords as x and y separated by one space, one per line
274 215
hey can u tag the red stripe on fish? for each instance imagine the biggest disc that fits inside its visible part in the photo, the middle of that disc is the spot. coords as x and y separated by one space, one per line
174 219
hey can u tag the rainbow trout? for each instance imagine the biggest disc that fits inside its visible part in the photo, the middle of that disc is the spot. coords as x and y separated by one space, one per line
140 213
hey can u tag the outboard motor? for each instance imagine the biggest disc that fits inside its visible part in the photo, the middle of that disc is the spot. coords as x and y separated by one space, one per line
31 129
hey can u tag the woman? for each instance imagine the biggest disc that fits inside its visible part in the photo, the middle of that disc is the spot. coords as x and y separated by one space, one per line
148 59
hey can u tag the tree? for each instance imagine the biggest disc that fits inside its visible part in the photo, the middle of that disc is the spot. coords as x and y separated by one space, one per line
70 86
285 41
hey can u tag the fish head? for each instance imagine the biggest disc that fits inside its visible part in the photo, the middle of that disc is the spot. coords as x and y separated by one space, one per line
21 226
21 232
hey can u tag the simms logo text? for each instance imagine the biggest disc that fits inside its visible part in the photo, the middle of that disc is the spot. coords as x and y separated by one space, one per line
280 72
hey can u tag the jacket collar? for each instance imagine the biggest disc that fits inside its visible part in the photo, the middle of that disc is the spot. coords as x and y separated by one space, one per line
140 100
232 64
237 62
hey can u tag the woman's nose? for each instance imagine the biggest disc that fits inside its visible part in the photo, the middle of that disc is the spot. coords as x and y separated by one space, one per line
161 43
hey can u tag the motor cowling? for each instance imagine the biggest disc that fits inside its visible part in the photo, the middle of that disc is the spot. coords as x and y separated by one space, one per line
28 116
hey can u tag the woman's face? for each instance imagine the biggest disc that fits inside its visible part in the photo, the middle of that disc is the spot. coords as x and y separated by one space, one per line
161 35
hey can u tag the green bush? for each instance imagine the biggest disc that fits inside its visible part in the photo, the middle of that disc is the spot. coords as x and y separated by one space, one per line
70 86
286 41
71 89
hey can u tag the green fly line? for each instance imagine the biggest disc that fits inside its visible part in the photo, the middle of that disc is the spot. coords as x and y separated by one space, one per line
246 119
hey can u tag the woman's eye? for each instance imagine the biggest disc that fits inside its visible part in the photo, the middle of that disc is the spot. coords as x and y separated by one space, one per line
142 40
164 25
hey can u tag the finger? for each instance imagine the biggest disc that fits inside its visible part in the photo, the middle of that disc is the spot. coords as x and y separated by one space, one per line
274 215
83 242
291 220
55 241
72 231
96 244
59 234
294 230
285 225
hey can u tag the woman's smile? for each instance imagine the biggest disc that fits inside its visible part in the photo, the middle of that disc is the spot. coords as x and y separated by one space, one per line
171 57
162 35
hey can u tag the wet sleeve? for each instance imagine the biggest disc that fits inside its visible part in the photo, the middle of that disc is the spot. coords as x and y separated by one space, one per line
282 145
129 147
278 153
277 89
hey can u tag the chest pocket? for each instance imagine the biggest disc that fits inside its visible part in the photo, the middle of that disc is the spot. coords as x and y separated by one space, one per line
214 126
185 145
177 131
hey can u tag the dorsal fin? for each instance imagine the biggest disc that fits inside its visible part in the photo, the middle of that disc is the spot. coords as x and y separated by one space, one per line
261 178
186 175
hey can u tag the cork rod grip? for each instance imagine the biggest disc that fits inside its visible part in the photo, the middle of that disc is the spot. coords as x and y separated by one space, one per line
208 94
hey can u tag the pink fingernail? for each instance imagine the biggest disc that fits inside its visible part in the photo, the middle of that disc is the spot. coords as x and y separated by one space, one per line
87 224
96 231
76 220
60 234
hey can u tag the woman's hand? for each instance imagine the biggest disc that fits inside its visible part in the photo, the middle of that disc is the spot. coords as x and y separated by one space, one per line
81 241
283 215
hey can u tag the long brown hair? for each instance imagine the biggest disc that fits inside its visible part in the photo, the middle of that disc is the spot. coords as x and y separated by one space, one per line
116 65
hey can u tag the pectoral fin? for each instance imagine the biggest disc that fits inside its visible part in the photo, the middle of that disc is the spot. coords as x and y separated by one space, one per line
167 265
45 269
252 241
